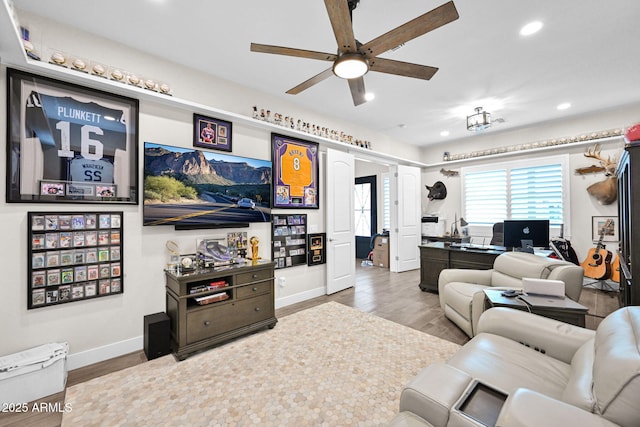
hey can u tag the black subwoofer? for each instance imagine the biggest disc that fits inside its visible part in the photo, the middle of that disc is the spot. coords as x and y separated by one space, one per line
157 335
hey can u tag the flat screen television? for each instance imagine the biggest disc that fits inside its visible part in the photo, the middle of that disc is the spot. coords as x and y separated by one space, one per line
524 233
192 188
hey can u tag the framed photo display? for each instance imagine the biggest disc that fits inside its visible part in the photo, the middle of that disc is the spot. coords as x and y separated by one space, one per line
73 256
68 143
295 172
605 227
211 133
316 248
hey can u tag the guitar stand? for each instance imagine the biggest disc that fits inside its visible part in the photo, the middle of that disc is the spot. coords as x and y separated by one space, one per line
604 286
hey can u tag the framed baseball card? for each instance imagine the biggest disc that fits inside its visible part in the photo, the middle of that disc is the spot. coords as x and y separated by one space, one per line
295 172
211 133
68 143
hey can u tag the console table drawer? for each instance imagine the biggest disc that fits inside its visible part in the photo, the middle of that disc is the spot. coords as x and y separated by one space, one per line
255 289
214 320
254 276
255 309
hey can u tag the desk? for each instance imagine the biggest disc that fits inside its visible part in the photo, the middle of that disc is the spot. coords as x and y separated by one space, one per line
437 256
450 239
568 311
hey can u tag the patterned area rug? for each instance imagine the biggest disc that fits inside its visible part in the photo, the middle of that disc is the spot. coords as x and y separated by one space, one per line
330 365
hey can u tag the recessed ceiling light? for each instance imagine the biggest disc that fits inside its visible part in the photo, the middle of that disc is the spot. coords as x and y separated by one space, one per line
369 96
563 106
531 28
444 133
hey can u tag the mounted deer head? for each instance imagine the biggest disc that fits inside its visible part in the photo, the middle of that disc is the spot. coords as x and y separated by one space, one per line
606 191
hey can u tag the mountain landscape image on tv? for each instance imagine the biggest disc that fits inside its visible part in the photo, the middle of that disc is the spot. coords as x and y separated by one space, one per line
191 188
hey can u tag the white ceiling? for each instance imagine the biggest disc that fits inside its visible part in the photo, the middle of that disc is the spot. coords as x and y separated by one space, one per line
586 54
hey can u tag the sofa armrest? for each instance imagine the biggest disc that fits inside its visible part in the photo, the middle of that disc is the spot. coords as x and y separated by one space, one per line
450 275
556 339
526 408
572 276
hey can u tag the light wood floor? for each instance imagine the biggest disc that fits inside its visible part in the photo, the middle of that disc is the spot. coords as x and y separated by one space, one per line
393 296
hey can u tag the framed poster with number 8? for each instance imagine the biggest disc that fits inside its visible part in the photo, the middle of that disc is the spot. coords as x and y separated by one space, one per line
295 172
68 143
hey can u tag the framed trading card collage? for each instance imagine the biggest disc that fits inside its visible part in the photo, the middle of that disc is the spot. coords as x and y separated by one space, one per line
289 240
68 143
74 256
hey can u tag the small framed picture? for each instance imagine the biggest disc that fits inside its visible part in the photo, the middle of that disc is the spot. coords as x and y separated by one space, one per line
605 228
211 133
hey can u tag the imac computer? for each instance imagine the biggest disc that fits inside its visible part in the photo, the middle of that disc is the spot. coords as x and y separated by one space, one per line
526 234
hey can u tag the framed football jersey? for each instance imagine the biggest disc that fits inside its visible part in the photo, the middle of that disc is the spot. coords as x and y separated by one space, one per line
69 143
295 172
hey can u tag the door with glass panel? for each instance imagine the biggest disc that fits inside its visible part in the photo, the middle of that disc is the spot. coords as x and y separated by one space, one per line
365 214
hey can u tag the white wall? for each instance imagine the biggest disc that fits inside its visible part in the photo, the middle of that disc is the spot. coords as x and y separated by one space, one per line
109 326
582 205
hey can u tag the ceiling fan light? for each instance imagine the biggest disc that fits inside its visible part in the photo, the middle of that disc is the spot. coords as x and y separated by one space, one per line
479 121
350 66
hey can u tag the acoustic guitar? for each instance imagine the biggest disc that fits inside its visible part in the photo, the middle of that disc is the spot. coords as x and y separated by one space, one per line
615 269
597 264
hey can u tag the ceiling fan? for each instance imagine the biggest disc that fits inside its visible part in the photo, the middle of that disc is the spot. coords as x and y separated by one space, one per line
355 59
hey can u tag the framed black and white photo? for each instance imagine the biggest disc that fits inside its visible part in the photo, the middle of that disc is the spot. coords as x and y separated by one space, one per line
211 133
68 143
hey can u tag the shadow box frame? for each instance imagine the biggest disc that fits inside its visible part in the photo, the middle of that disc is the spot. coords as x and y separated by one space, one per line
74 256
295 172
222 139
68 143
316 248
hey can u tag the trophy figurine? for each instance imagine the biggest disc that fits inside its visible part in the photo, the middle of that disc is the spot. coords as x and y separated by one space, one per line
254 248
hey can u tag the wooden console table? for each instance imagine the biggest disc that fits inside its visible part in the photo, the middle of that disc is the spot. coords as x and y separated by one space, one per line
437 256
244 303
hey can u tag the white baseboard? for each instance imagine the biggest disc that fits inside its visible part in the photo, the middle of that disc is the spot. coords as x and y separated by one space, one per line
109 351
302 296
99 354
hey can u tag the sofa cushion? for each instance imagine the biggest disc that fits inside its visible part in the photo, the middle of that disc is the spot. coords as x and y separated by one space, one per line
507 365
616 368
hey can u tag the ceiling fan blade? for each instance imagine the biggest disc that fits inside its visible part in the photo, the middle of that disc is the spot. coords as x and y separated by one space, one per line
400 68
312 81
340 18
421 25
357 90
289 51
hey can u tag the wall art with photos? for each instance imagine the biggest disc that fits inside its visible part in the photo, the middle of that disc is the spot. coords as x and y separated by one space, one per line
289 240
74 256
295 172
68 143
605 226
211 133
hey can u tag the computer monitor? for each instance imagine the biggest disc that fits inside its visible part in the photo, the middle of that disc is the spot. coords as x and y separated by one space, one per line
526 233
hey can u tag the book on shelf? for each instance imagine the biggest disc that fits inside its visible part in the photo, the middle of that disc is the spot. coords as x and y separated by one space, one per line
220 296
208 287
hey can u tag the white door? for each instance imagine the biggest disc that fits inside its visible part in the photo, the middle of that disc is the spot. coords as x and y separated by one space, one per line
341 268
405 219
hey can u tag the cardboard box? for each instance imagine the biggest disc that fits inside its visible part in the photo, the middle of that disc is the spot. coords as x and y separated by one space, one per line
380 256
33 374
